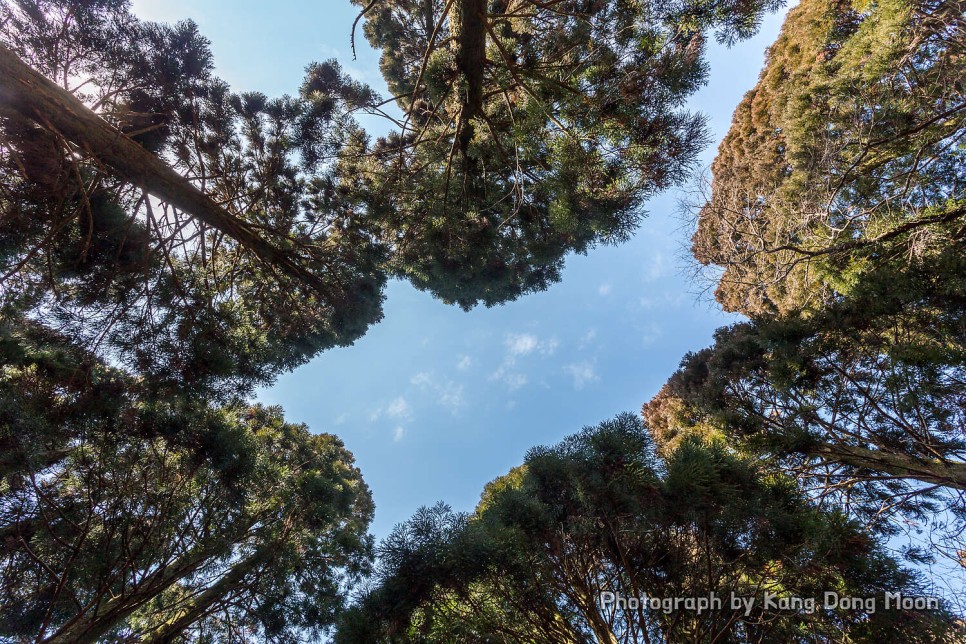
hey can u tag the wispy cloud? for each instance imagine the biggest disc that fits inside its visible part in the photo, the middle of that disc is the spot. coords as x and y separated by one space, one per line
650 333
448 394
658 265
465 363
398 434
399 409
422 380
517 346
604 289
587 339
514 381
583 373
521 344
451 397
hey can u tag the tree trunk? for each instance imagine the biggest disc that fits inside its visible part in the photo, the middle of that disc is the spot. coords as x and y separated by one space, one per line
90 628
468 29
35 97
929 471
201 603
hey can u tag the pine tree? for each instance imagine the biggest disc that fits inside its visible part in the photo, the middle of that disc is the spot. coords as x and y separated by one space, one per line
530 130
135 536
171 224
836 212
862 399
600 512
847 154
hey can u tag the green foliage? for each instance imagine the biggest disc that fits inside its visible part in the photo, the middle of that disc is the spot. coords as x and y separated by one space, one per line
601 512
836 213
880 369
128 534
530 130
848 154
88 252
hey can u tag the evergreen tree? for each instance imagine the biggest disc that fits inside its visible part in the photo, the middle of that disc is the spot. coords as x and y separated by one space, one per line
848 154
863 400
136 537
182 249
529 130
601 513
836 212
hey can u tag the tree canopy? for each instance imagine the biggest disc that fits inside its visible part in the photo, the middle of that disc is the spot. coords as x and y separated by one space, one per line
167 245
847 154
836 212
528 130
600 512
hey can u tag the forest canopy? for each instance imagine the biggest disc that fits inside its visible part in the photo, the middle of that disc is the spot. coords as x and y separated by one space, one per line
169 245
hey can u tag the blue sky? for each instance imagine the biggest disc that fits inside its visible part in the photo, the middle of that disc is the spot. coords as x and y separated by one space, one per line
436 402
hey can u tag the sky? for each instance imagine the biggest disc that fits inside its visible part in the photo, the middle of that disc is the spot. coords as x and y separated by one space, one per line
436 402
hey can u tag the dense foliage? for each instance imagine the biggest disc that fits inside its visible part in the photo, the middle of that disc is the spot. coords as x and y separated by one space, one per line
88 251
847 155
600 513
150 518
837 213
529 130
167 245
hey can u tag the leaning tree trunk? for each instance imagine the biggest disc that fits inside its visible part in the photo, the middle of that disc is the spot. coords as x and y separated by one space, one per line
89 628
931 471
34 96
199 606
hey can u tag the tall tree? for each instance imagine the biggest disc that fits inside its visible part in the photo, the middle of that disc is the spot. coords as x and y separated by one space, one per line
848 154
601 513
529 130
837 213
137 537
167 221
863 400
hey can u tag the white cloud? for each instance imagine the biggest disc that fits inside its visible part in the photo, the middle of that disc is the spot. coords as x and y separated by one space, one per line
582 373
399 409
514 381
448 393
398 433
520 344
422 380
604 289
341 419
506 374
587 339
657 267
517 346
650 333
465 363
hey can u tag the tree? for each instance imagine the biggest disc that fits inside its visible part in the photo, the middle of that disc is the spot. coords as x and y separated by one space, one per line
529 130
96 243
863 400
847 155
271 232
836 212
600 512
138 537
